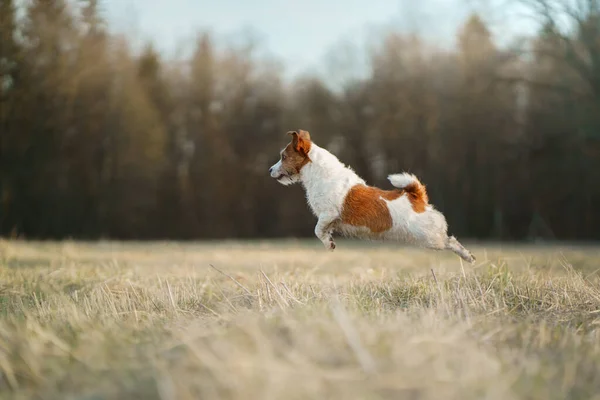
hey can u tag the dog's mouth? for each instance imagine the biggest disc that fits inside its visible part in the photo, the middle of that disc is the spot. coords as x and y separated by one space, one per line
280 177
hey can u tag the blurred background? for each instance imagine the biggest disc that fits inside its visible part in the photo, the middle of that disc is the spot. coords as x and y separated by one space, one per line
129 119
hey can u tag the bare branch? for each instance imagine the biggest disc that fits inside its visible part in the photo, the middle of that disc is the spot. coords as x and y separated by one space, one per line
541 85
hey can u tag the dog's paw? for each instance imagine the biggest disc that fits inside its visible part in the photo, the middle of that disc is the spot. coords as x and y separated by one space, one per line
329 244
471 258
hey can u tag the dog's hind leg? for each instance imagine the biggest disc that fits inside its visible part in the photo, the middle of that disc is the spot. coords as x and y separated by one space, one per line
455 246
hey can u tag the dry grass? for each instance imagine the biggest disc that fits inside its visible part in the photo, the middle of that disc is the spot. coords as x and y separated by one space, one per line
290 320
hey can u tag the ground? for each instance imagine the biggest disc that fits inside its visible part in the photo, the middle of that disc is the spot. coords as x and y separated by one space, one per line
288 319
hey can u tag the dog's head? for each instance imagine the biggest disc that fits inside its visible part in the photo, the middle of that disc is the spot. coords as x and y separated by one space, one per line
293 158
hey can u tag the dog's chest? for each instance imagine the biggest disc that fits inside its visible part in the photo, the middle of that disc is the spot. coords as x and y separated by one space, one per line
326 198
327 182
320 203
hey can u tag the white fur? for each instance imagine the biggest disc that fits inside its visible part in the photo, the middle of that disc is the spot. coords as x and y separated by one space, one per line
327 182
402 180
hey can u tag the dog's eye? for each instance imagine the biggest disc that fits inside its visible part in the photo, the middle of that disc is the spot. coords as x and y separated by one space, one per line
283 157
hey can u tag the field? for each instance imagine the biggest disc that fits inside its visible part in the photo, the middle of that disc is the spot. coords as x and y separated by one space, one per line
289 320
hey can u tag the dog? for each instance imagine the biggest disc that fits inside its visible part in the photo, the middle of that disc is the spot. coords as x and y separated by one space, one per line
345 204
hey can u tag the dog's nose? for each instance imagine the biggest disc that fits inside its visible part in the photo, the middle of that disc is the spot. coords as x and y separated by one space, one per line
270 169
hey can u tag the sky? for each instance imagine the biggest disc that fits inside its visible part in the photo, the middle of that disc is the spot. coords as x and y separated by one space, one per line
301 34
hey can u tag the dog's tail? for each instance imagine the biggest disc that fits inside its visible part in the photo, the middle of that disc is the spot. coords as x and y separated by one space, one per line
410 184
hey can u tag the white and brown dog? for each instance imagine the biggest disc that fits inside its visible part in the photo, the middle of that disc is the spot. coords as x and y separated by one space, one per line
345 204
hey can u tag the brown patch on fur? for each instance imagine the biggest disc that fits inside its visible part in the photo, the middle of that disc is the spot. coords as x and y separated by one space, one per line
295 155
417 195
364 206
301 141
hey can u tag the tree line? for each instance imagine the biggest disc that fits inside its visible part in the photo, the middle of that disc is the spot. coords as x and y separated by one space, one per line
101 141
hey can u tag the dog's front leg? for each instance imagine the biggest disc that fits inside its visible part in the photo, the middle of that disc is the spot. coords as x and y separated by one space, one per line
324 230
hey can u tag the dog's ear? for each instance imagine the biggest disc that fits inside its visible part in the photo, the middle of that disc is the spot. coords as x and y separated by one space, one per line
300 141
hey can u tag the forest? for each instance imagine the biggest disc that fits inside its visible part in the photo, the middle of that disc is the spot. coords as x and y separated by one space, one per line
101 140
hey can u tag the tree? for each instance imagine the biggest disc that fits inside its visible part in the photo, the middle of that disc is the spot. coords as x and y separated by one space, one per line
138 153
564 110
40 167
483 121
10 84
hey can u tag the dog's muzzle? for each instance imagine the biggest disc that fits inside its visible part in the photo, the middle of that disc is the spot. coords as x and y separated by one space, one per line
275 172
